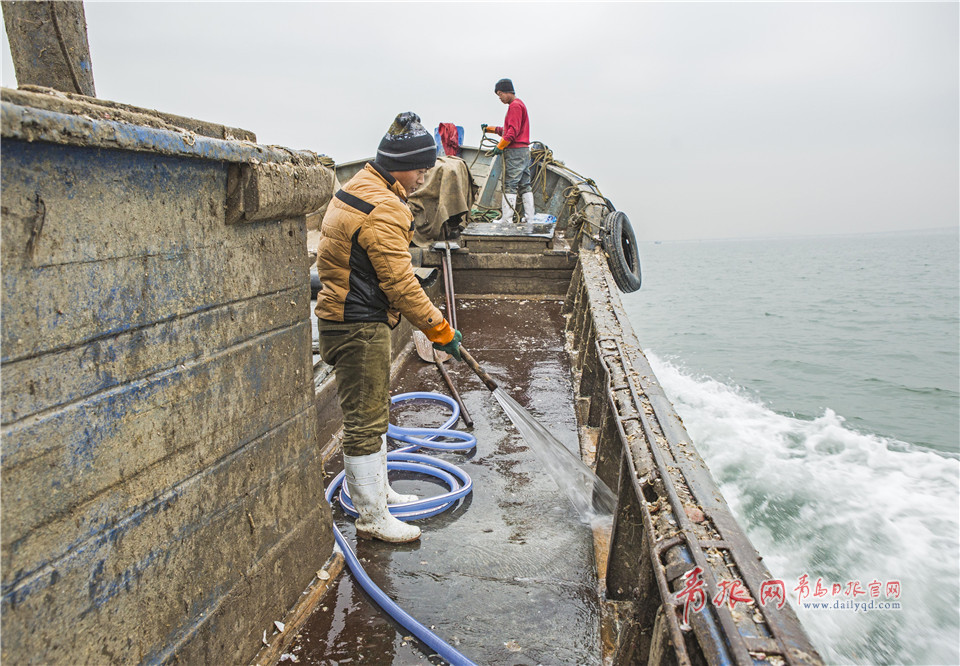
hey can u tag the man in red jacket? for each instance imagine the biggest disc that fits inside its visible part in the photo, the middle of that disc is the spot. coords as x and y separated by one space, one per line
515 147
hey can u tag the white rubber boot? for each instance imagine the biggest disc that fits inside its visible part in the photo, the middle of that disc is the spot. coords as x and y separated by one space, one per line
528 211
507 206
367 484
393 497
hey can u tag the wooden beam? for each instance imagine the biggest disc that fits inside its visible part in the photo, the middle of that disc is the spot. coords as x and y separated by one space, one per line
48 44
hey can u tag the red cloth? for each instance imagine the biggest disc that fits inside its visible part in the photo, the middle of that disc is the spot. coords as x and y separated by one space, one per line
516 126
449 139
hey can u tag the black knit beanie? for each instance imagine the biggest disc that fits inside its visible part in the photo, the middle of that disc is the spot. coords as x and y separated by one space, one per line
504 85
407 146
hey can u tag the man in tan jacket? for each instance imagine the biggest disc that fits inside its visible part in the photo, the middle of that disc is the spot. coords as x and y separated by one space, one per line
364 263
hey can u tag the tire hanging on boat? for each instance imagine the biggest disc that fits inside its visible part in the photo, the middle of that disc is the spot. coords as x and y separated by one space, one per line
620 246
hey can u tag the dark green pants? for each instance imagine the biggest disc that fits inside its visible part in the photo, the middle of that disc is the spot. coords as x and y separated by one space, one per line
360 355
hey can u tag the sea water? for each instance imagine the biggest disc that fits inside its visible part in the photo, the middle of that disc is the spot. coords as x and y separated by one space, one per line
818 377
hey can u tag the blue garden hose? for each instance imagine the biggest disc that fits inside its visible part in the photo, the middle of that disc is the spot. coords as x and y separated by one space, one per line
457 481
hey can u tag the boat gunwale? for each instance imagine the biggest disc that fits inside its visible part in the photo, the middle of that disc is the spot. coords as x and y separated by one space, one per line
63 127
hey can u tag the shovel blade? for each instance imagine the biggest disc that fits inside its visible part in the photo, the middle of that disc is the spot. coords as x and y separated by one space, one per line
425 348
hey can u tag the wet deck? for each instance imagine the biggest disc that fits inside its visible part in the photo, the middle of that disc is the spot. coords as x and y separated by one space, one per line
508 576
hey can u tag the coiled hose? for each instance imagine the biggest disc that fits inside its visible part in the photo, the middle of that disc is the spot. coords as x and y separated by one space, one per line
457 481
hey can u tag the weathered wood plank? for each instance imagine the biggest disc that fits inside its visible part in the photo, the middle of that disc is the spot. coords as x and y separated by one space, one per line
489 193
146 133
535 261
278 191
179 205
109 265
508 246
162 488
65 102
507 282
48 44
116 449
65 376
181 555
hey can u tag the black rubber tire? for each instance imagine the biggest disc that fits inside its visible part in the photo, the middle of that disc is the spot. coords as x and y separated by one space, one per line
620 244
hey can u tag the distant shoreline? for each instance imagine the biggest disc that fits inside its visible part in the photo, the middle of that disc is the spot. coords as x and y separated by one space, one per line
844 234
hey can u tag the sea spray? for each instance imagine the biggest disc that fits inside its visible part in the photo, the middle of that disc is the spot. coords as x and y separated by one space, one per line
820 498
591 497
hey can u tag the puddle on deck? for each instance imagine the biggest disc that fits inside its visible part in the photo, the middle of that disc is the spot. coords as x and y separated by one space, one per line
508 575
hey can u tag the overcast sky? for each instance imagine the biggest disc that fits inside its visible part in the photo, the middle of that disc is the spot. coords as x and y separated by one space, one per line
699 120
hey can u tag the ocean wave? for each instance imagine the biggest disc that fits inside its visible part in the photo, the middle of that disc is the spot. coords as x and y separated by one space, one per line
820 498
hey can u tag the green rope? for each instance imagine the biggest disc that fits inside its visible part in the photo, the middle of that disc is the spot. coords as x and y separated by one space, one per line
571 195
486 215
484 140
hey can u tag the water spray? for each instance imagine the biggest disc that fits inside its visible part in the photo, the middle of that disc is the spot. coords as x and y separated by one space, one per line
591 497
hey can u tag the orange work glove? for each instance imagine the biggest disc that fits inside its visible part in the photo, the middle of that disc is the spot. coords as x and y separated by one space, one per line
440 334
499 148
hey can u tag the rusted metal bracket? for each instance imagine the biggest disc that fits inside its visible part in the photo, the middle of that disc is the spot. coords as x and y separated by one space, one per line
36 226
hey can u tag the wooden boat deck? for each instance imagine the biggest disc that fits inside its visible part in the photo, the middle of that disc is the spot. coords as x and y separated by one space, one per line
508 576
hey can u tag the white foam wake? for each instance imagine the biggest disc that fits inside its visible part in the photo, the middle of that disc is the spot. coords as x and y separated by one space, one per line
819 498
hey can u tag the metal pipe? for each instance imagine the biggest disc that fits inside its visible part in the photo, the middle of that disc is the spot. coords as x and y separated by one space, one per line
464 414
445 261
451 314
448 279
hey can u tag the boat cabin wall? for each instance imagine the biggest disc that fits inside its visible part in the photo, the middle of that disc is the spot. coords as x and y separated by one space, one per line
162 488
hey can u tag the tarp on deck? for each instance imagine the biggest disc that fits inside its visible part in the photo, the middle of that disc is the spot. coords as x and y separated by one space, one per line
448 192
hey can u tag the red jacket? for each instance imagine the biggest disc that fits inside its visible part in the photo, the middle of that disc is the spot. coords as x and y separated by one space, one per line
516 126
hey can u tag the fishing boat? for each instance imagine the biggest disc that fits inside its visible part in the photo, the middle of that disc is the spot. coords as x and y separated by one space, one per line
528 580
170 442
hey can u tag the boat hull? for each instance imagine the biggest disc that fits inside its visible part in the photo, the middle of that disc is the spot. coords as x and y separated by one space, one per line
162 487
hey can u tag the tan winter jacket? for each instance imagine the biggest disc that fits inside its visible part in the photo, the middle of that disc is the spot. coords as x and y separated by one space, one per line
364 261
